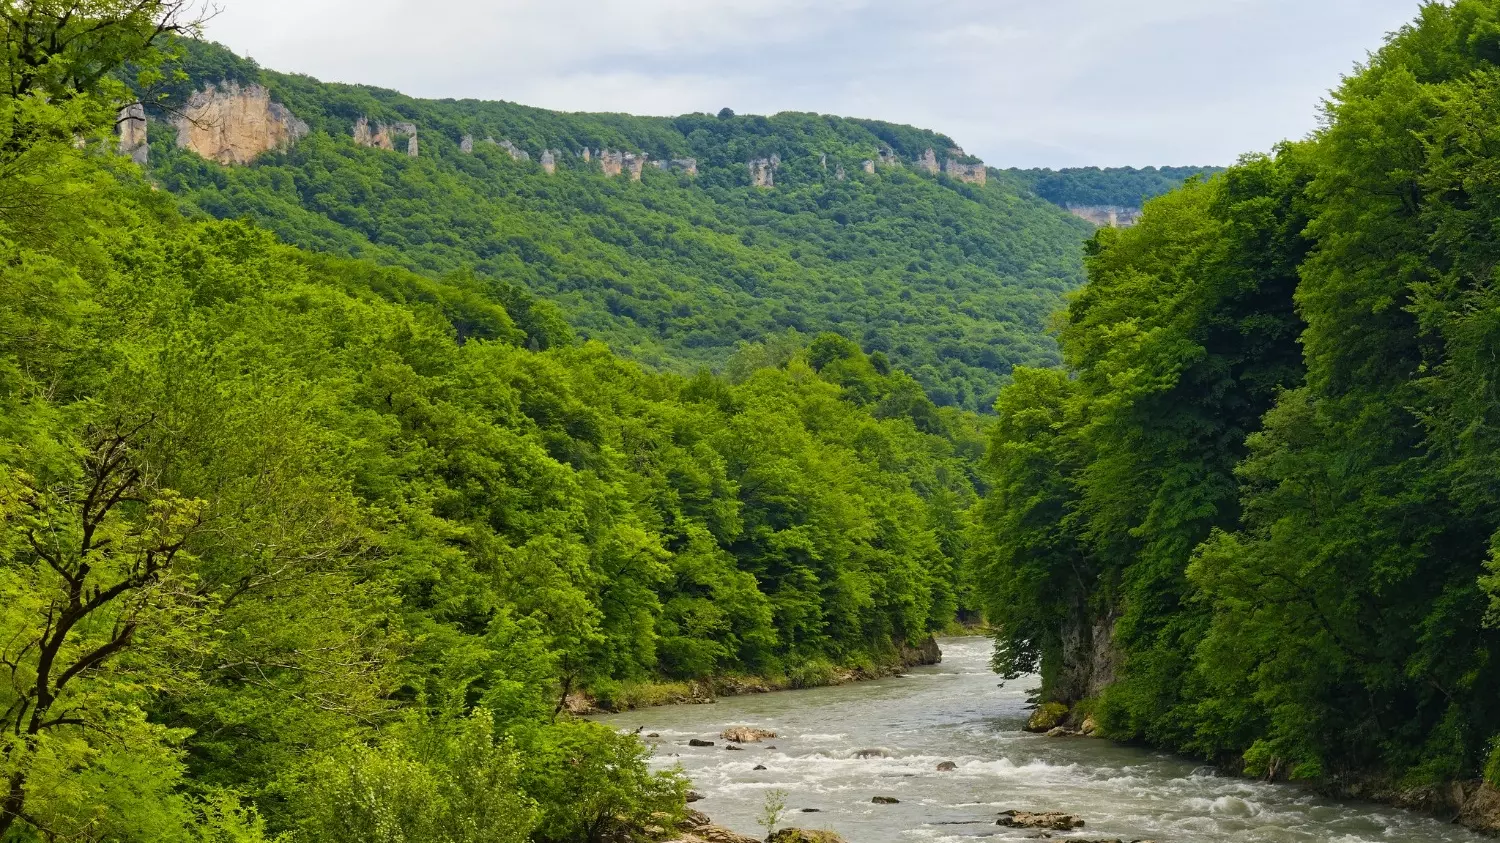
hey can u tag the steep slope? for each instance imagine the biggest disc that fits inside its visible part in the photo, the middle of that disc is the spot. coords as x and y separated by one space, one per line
714 232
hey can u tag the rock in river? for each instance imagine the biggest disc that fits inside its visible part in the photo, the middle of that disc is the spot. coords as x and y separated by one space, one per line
886 800
798 835
1050 820
697 742
947 767
745 734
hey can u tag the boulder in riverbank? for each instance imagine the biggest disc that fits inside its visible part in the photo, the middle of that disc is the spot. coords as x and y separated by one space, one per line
1048 716
1048 820
696 827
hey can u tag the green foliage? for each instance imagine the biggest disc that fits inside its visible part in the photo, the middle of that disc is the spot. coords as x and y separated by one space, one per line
455 788
1125 187
1275 448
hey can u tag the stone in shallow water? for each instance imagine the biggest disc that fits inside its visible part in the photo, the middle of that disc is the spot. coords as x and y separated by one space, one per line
746 734
798 835
1050 820
886 800
947 767
697 742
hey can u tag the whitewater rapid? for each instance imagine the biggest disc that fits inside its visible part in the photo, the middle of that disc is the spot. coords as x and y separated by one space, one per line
958 711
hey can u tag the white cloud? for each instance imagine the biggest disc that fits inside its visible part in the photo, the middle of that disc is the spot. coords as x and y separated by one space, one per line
1019 82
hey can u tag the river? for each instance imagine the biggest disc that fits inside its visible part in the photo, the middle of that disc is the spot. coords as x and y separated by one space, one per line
957 712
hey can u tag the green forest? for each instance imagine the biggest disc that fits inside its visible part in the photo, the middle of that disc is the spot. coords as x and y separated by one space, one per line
1254 519
1123 187
304 547
953 282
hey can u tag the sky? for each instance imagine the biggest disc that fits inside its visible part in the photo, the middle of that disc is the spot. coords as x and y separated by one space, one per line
1023 83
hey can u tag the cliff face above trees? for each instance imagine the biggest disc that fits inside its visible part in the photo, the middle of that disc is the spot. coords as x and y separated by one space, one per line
234 125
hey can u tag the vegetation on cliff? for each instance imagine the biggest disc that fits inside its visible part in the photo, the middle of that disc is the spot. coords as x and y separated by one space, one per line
296 546
1258 514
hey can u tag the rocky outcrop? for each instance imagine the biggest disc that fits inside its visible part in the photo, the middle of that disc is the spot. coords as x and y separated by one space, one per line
763 171
586 155
386 135
925 653
696 827
234 125
888 157
969 173
466 145
611 162
928 163
686 166
1111 216
617 163
869 167
549 161
132 122
839 173
746 734
516 153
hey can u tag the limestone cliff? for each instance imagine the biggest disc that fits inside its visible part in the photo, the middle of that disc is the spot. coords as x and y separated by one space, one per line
516 153
611 162
385 135
549 161
679 165
132 123
971 173
928 163
615 163
888 157
763 171
869 167
466 144
234 125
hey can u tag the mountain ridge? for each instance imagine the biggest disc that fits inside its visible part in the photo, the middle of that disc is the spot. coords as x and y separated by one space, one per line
889 235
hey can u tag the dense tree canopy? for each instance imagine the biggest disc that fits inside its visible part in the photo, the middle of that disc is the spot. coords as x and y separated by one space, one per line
304 545
1125 187
1270 471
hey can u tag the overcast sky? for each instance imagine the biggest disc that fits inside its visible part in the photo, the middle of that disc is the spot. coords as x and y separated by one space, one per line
1018 82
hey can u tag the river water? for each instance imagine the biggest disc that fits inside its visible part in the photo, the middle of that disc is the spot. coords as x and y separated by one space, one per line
956 712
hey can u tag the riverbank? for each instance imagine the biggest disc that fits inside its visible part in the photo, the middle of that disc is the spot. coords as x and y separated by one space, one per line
822 674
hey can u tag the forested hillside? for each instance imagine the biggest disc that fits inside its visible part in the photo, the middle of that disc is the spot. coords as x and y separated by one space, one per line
302 547
1124 187
953 281
1256 517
